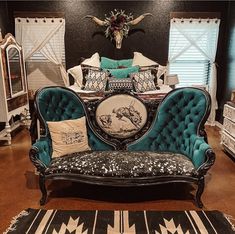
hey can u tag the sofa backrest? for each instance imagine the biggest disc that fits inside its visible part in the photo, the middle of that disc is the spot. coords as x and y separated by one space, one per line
179 118
58 104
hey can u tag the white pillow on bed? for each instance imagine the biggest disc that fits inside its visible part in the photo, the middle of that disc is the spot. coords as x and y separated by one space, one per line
76 72
140 60
93 61
161 70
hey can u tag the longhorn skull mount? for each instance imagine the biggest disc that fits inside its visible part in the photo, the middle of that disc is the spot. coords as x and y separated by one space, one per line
118 24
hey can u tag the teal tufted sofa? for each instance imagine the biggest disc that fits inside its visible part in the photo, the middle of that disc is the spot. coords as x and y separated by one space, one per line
171 147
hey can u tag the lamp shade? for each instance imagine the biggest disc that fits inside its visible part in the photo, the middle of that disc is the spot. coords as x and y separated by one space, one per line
171 79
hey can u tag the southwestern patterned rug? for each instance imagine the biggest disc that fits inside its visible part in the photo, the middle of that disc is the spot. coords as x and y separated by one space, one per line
33 221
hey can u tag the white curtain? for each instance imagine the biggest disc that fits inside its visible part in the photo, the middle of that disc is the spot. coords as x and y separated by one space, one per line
44 35
202 34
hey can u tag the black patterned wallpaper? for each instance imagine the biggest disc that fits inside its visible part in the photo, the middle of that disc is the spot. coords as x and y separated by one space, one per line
3 17
225 88
83 37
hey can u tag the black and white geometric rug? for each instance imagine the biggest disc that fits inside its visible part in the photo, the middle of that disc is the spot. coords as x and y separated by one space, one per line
33 221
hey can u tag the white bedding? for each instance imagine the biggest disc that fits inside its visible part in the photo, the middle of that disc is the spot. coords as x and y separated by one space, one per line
77 89
163 89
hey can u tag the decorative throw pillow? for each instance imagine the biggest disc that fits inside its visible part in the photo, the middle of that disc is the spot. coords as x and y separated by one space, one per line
85 70
117 84
68 136
123 72
93 61
77 74
107 63
142 61
96 80
143 81
154 70
161 71
125 63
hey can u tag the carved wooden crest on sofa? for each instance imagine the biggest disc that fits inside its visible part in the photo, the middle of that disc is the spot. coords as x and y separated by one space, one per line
121 118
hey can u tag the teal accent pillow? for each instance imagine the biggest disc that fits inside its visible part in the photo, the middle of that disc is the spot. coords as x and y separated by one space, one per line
107 63
125 63
123 72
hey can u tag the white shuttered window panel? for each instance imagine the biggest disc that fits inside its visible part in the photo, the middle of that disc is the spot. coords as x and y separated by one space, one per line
191 43
43 43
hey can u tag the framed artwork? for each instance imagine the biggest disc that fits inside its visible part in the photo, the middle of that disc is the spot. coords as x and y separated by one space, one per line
121 115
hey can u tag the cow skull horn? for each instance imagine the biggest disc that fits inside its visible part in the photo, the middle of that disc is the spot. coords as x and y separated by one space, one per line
96 20
139 18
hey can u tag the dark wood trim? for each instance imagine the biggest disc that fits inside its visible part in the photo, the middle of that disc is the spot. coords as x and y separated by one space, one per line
202 15
39 14
16 102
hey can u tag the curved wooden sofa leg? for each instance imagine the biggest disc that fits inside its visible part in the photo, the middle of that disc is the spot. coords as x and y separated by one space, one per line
201 185
42 186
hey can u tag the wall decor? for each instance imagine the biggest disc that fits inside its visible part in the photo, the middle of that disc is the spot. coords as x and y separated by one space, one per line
118 24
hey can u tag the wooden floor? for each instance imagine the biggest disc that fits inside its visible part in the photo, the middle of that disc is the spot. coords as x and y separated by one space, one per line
19 187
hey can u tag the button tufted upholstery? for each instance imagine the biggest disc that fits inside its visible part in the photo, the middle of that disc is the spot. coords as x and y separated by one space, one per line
58 104
176 126
172 150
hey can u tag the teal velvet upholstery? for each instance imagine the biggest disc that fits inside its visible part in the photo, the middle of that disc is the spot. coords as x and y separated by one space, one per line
176 126
123 72
44 150
107 63
58 104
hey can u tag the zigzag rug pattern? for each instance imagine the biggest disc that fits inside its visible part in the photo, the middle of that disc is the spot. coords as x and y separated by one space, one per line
33 221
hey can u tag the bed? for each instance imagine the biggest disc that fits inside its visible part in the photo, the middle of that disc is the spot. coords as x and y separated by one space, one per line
97 76
149 95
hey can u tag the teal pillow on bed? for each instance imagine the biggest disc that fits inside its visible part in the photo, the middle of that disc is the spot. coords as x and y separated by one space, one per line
107 63
123 72
125 62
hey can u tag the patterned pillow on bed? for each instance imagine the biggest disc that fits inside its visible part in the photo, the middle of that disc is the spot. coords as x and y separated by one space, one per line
96 80
117 84
85 70
154 70
143 81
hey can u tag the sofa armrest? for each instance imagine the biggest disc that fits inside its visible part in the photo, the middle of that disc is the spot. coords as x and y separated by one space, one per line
40 153
201 154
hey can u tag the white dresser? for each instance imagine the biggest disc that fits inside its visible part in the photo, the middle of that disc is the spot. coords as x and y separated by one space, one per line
228 131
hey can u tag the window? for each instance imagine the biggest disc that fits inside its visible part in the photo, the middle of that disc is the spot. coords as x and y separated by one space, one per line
192 46
42 40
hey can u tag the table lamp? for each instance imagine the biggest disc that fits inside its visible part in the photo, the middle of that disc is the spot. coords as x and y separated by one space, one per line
171 80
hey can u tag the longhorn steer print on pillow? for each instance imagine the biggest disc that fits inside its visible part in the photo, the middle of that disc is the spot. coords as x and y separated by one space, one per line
118 24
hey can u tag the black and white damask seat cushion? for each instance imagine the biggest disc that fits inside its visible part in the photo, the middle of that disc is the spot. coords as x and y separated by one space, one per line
96 80
122 164
143 81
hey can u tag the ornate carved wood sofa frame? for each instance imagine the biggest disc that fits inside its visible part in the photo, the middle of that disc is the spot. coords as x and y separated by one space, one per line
133 143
